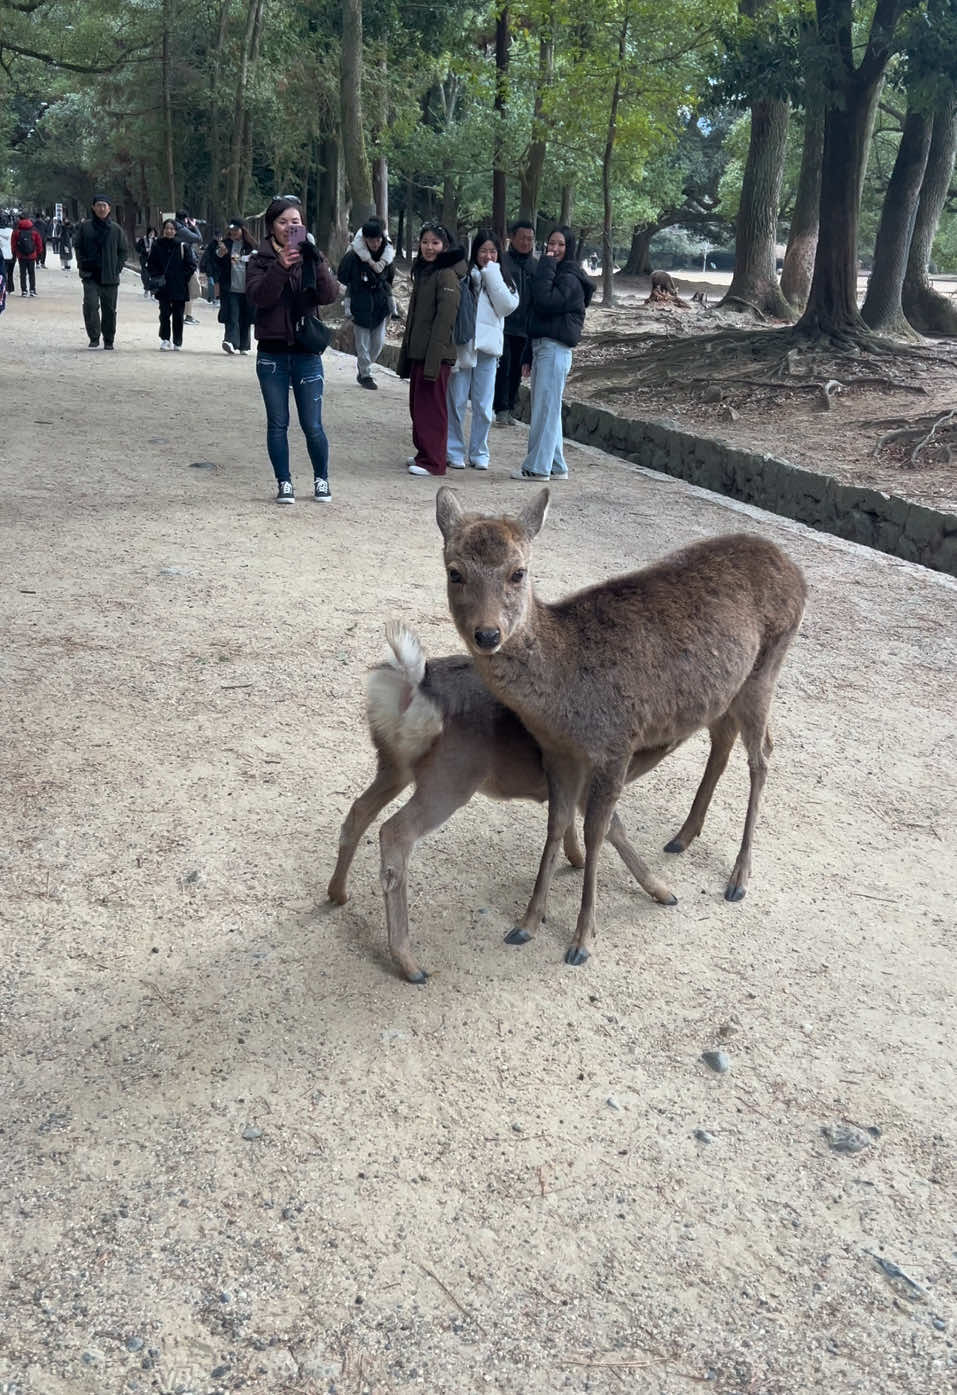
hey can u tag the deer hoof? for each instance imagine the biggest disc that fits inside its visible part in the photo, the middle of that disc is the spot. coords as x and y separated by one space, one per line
518 936
733 892
576 955
419 978
675 846
671 901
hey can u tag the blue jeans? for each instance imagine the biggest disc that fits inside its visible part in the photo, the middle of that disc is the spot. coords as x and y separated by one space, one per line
303 373
475 385
550 364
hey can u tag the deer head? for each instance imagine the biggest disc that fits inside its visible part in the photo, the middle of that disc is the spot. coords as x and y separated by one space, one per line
487 568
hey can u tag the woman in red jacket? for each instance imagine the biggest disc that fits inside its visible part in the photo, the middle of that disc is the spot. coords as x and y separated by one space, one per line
27 248
286 279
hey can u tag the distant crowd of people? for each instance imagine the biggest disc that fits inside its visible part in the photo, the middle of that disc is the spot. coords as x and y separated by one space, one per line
477 321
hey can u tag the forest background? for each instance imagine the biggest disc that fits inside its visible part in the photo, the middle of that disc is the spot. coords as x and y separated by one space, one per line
720 130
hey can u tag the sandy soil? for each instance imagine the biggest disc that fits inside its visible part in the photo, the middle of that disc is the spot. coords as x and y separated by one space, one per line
239 1153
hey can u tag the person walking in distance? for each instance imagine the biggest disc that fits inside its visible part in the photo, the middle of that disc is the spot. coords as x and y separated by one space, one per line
65 242
171 264
561 293
101 254
428 350
231 257
27 246
473 377
7 235
188 232
286 279
519 263
144 246
367 272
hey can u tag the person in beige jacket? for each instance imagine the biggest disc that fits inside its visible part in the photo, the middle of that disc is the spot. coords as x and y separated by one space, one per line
428 351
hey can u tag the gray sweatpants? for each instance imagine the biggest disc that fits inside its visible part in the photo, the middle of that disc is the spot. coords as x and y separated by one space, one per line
369 344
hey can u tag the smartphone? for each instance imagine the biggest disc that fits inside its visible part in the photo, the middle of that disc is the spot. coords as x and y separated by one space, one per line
297 234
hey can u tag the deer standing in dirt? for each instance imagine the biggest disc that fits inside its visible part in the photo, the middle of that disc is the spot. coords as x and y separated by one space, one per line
639 662
439 727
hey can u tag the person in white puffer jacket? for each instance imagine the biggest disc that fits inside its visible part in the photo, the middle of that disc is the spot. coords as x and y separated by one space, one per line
473 377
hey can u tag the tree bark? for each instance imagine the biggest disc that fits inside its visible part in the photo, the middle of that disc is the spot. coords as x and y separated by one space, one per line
246 163
358 175
882 308
568 203
450 207
380 187
331 225
534 163
607 250
754 282
798 266
499 182
214 210
234 179
168 107
926 309
639 254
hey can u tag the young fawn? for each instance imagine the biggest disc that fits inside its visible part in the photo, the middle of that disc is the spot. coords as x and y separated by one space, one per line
440 727
636 663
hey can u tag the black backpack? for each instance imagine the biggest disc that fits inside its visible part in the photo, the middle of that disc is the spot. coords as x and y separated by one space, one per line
464 331
25 245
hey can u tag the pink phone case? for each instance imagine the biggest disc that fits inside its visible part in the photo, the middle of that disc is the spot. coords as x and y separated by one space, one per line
297 234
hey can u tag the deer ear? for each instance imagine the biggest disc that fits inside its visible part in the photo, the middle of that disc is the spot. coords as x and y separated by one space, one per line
448 511
533 515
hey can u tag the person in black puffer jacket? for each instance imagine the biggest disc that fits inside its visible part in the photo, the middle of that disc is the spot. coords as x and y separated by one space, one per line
561 293
172 262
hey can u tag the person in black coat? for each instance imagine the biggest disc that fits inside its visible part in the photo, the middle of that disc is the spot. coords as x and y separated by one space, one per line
170 265
561 293
367 271
520 263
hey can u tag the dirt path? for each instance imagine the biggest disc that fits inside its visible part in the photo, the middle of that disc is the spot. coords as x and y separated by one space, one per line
236 1152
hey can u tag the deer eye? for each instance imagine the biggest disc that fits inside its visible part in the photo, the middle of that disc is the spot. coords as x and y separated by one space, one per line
455 576
517 576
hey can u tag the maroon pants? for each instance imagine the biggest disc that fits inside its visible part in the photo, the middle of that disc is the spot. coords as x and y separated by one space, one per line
430 416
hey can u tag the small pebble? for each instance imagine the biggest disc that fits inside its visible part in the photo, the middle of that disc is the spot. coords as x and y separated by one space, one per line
202 465
135 1344
718 1061
516 1128
703 1136
613 1103
219 1372
250 1132
940 1324
844 1139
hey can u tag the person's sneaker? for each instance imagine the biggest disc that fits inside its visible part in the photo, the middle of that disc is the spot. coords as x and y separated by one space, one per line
177 348
244 353
227 347
417 469
321 491
558 475
165 346
33 295
368 382
478 464
455 464
94 344
285 494
501 419
107 345
527 475
190 320
24 294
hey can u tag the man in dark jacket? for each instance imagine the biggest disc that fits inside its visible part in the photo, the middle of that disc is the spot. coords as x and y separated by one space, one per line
367 272
101 253
521 261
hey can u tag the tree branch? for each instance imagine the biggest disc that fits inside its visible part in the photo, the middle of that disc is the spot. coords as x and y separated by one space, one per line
52 62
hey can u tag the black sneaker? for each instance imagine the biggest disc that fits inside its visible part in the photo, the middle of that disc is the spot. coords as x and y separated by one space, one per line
321 491
368 383
94 343
285 494
107 345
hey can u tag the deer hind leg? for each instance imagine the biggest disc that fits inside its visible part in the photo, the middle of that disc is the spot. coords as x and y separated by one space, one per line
723 734
572 846
388 783
441 788
602 797
751 708
563 785
642 874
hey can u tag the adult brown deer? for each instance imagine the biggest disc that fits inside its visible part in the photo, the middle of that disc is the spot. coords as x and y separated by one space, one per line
439 727
639 662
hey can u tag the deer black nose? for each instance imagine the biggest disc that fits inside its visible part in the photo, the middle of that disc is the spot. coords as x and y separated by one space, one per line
488 639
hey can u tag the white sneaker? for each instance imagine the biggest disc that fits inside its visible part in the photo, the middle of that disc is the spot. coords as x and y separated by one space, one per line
227 347
455 464
176 348
165 346
418 469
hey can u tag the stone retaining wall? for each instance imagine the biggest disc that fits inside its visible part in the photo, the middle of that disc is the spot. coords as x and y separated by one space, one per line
868 516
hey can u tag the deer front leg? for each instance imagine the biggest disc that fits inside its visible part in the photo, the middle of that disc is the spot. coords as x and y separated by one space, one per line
562 801
387 784
599 808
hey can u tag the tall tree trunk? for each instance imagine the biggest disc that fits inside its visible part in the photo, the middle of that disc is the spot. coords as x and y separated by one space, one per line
926 309
754 282
639 254
568 203
234 178
358 175
168 107
607 250
450 207
214 206
534 163
410 217
882 304
380 187
400 231
802 241
499 183
332 232
246 164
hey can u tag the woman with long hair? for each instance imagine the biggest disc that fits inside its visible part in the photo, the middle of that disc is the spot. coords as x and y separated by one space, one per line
473 377
170 264
286 279
232 254
561 293
144 246
428 351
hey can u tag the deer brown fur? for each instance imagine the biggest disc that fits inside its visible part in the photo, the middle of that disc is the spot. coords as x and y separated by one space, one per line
639 662
436 725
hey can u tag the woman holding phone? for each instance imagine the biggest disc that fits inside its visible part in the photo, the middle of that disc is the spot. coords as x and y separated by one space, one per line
286 279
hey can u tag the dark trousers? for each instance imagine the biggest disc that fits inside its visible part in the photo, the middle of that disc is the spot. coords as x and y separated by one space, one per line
171 310
28 272
99 300
277 373
509 373
9 265
237 319
428 408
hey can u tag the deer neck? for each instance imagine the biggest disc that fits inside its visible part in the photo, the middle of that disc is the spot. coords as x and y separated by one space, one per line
531 663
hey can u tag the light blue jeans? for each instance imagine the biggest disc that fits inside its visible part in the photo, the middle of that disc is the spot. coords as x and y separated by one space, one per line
550 364
475 385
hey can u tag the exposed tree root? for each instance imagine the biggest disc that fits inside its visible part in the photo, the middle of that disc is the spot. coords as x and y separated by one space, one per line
934 435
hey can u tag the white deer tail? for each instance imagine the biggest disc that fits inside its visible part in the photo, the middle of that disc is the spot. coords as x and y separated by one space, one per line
402 718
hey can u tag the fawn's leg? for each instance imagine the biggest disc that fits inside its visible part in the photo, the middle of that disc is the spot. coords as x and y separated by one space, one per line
723 734
572 846
563 786
387 784
603 795
642 874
